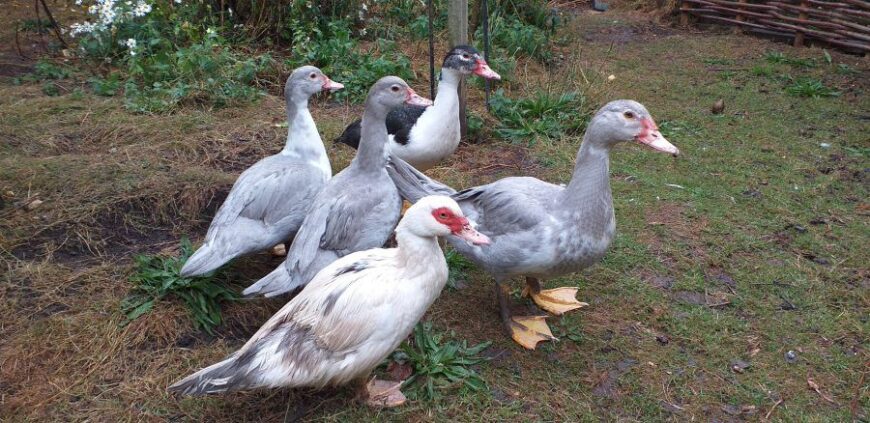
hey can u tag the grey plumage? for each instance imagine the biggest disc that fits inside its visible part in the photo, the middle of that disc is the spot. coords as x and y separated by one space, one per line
539 229
268 201
358 208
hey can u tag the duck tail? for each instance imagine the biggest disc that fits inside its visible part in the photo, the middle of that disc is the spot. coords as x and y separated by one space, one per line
275 283
204 260
350 136
413 184
220 377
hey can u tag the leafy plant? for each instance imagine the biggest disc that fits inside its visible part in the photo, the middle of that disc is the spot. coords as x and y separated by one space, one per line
777 57
45 70
810 87
458 266
517 38
439 364
542 114
157 277
340 57
762 70
108 86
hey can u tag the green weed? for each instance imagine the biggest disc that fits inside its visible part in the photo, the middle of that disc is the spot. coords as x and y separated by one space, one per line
540 115
439 364
809 87
777 57
156 277
459 267
517 38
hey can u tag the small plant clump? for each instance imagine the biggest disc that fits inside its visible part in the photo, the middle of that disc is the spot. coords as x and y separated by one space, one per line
809 87
438 364
458 267
156 277
541 115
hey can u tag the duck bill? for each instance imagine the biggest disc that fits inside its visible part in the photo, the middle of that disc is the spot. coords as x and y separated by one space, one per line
485 71
330 85
415 100
470 235
651 137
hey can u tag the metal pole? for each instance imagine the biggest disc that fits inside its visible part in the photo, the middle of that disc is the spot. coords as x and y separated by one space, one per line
431 49
485 21
457 23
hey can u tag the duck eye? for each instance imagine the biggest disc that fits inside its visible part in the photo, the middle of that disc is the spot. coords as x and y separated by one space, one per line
394 88
442 215
312 76
628 115
466 56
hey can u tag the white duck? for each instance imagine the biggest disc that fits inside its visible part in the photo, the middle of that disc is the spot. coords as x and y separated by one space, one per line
541 230
357 209
353 314
268 202
424 136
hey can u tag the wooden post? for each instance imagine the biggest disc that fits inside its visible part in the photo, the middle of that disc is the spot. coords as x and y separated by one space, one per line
457 24
740 16
799 36
684 14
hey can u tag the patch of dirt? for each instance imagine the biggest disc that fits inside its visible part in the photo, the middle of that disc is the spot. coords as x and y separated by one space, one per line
665 222
626 34
483 160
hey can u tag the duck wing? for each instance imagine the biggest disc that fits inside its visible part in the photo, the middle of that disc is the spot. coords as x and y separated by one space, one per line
326 335
399 124
265 206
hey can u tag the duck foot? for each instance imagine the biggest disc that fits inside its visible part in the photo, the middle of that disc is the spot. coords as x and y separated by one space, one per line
384 394
529 330
557 300
405 206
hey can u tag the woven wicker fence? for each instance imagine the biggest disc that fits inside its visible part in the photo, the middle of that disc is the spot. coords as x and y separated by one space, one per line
840 23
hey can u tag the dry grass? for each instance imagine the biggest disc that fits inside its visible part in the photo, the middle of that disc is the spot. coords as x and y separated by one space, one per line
115 184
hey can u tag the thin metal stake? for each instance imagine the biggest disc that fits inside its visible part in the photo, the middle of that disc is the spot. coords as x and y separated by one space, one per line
431 50
485 13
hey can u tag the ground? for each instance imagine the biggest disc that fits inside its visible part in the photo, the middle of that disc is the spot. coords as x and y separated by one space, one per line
737 287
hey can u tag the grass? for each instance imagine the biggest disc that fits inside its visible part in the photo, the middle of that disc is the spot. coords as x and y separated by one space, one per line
157 277
810 87
758 253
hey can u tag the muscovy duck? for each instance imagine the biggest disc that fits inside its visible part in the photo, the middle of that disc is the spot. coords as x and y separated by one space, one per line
352 315
267 203
541 230
357 209
424 136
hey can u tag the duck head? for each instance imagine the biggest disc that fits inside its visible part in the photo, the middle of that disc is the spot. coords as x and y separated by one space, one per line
306 81
627 120
391 92
437 215
467 60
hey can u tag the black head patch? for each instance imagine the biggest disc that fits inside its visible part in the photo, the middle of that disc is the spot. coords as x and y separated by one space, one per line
462 58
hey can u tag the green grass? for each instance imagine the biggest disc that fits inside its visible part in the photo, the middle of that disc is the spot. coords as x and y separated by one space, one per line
757 254
810 87
156 278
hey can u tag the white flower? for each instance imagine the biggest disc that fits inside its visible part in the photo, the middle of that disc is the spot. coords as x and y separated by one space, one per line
210 32
130 43
362 32
141 9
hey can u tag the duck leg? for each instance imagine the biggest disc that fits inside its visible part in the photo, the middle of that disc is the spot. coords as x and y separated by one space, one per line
525 330
556 300
382 393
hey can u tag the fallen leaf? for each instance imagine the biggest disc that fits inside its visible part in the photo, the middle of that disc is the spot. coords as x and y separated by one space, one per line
739 366
34 204
399 371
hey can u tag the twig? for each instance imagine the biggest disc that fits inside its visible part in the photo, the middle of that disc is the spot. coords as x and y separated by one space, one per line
18 45
769 412
54 24
854 405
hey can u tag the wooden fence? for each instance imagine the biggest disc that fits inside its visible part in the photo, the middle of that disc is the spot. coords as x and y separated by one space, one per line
840 23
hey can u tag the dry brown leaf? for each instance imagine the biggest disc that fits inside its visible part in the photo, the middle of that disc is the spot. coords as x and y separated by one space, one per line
815 386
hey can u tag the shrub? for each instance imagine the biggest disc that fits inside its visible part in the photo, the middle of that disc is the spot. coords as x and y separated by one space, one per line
340 57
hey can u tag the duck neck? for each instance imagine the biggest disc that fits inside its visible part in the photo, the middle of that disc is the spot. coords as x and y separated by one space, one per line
447 99
418 255
372 152
589 188
449 80
303 140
